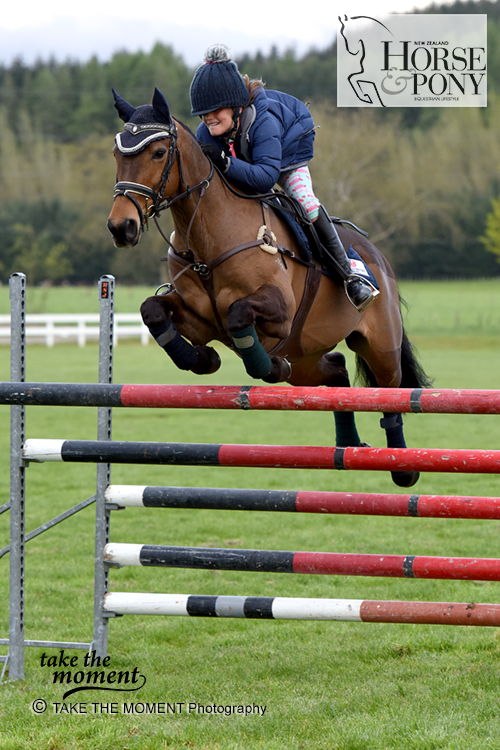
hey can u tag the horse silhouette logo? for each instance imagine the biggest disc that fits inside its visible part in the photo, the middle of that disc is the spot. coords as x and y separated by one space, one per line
361 40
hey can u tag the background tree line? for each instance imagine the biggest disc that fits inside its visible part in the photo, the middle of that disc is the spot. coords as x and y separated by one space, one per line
420 180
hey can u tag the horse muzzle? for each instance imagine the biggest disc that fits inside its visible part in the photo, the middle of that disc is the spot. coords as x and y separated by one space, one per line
126 233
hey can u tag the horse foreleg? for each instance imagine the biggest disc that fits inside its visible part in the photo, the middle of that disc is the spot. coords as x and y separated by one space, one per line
267 309
158 312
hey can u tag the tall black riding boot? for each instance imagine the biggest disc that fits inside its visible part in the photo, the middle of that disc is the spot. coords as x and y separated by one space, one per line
359 291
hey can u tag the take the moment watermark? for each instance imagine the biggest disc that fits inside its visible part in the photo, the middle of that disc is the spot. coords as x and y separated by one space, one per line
89 672
412 60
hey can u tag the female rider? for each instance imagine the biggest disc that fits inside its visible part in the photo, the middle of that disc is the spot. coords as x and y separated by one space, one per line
260 137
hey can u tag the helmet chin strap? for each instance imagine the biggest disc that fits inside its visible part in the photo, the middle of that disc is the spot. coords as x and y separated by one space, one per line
236 117
228 135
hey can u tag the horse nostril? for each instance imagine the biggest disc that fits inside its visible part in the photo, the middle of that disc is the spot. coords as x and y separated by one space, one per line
126 233
130 228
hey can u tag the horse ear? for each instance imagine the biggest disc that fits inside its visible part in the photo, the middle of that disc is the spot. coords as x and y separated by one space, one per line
125 110
161 107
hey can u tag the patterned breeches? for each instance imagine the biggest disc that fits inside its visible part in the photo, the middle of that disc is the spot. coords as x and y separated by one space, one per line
298 185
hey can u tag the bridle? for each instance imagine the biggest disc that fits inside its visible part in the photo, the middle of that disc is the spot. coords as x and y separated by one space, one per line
156 194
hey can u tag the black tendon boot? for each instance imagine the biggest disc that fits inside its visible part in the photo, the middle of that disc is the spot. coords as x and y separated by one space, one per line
358 290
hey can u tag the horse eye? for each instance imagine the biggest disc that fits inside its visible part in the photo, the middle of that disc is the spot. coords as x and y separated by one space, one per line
159 153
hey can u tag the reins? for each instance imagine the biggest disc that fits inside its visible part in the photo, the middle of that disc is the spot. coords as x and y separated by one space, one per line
284 203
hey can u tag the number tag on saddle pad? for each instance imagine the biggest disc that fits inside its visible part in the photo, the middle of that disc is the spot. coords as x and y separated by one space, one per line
359 267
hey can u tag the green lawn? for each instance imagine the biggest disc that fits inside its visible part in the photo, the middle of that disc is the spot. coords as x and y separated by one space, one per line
325 685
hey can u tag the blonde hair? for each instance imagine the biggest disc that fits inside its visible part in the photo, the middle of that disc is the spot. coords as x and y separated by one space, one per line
253 85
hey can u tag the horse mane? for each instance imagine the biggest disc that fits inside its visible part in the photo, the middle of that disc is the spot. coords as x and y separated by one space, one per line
187 129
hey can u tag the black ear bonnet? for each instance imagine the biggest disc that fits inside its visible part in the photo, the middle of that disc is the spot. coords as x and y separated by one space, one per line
143 125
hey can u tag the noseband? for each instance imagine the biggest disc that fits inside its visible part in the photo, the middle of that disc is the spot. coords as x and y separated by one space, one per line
156 194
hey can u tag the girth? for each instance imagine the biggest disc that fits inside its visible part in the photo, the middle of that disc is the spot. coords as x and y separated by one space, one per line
291 347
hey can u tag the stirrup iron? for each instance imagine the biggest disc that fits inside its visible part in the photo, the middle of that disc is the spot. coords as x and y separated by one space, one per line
355 277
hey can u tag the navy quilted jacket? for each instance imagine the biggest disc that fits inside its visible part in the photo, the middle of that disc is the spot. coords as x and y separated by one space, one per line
280 139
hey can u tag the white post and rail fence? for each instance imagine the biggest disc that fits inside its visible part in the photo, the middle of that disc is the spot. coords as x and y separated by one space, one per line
52 328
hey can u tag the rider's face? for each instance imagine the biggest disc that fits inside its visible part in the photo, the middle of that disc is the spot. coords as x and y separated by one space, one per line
219 121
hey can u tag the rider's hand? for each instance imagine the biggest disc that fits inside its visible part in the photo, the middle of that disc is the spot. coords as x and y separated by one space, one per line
217 156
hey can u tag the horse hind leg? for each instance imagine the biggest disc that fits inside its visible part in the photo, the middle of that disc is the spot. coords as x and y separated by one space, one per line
346 432
412 376
331 371
392 423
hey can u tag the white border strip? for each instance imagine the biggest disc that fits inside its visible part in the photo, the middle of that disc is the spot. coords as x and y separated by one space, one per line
142 143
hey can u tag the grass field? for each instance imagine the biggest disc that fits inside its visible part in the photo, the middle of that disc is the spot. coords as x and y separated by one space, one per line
324 685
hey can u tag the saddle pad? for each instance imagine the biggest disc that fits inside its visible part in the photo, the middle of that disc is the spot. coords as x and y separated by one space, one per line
358 266
300 235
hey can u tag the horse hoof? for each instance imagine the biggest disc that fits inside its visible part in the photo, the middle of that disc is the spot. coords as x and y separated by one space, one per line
336 358
208 361
154 314
280 371
405 478
335 369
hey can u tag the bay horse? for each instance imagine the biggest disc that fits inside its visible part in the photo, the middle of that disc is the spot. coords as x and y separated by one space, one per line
237 277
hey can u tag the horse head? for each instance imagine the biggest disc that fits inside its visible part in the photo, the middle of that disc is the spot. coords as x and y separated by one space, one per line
146 153
350 32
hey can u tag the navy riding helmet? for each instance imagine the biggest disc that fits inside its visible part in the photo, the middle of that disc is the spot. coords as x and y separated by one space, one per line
217 83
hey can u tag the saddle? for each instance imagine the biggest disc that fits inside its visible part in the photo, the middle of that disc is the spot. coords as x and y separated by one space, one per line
307 238
310 248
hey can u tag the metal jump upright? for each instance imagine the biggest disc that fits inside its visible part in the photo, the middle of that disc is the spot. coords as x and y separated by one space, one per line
16 642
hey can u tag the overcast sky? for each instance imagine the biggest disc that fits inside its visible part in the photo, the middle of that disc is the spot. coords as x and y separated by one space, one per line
78 29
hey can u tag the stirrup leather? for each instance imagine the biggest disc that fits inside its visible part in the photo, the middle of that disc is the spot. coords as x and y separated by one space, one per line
375 292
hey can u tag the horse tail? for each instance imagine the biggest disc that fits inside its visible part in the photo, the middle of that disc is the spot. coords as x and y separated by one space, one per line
413 374
364 376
